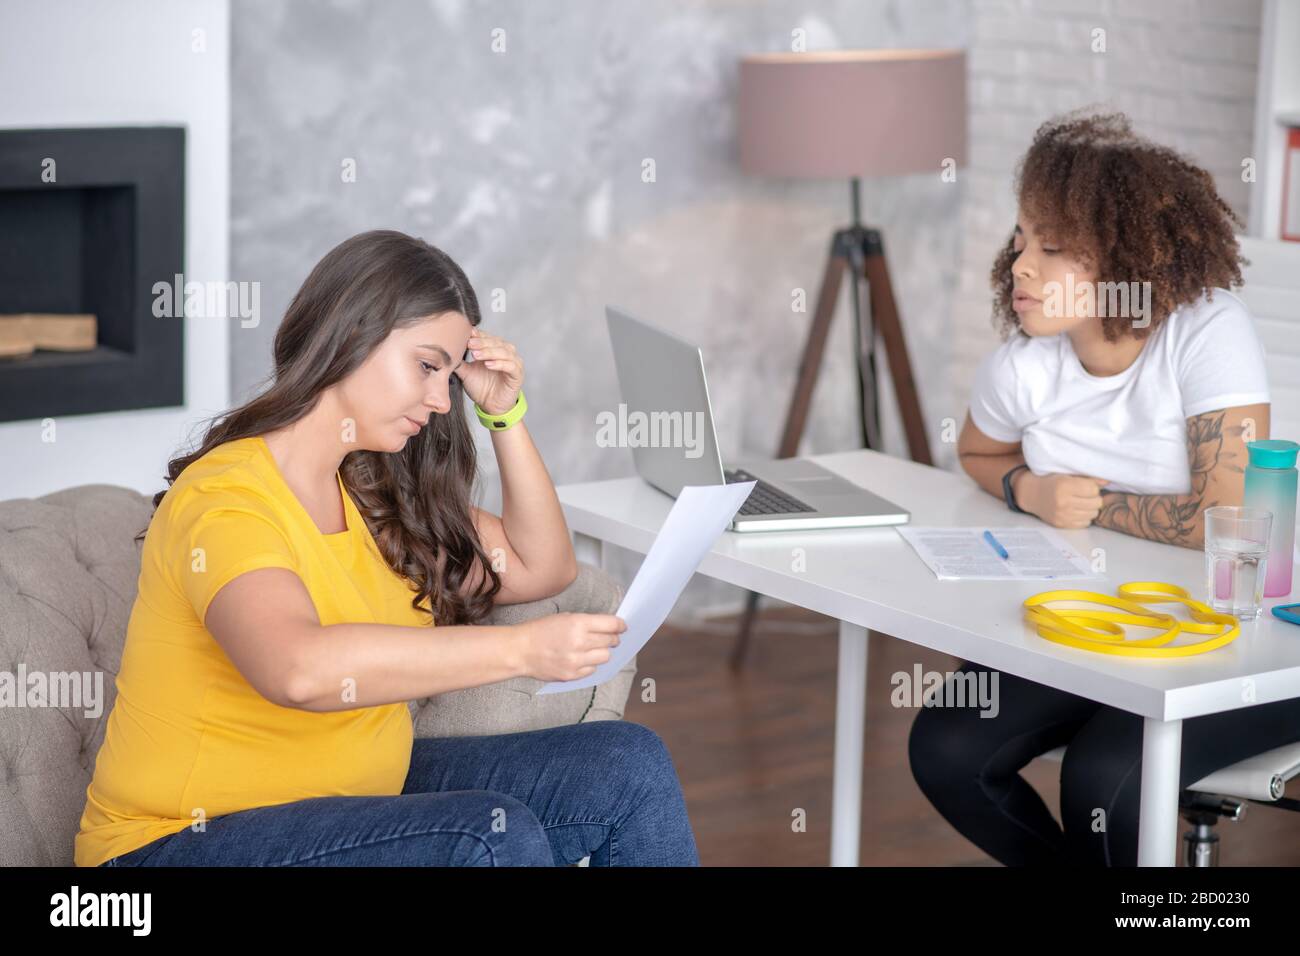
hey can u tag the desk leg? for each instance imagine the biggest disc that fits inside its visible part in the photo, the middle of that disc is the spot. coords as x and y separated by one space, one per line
850 733
1162 746
589 550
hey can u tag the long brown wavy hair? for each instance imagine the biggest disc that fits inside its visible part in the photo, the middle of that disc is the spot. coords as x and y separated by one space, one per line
1131 209
416 502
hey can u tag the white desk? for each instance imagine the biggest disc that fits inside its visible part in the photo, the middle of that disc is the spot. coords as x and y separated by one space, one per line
870 578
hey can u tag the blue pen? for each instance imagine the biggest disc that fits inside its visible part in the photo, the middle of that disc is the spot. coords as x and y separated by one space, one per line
1002 552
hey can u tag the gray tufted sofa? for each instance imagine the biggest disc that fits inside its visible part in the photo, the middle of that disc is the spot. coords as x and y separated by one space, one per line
68 573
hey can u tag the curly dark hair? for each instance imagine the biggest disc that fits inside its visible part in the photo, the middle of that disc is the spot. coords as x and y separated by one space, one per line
1130 209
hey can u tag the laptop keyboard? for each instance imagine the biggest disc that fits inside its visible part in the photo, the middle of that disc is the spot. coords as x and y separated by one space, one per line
765 499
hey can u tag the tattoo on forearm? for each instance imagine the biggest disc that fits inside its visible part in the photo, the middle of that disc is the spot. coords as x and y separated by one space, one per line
1175 519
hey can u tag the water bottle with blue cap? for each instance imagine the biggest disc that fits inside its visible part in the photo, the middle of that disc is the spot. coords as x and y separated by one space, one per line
1271 485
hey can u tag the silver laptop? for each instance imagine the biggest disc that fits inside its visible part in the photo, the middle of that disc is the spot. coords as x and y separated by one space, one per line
668 423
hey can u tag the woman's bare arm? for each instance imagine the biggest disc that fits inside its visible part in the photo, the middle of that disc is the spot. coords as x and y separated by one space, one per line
266 623
1063 501
1216 454
531 538
986 459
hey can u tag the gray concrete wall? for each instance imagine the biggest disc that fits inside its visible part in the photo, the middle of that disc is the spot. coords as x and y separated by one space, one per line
525 166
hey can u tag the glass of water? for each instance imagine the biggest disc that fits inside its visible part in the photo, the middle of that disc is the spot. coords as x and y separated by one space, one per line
1236 552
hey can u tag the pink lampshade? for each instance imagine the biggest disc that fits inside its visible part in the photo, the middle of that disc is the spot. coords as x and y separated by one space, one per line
852 112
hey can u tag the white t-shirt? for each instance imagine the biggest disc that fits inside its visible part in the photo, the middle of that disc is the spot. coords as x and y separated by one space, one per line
1130 428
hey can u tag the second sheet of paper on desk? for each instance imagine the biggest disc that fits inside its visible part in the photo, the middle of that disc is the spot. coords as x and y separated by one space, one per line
963 554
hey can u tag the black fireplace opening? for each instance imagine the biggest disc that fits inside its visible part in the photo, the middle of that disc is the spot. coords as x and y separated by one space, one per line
90 221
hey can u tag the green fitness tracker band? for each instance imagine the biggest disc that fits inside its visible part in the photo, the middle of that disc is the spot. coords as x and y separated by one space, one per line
500 422
1007 491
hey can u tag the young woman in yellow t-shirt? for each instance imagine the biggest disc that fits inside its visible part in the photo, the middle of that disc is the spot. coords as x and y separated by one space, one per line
290 580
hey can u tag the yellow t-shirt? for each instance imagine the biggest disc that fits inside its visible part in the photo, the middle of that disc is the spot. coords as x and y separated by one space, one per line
188 737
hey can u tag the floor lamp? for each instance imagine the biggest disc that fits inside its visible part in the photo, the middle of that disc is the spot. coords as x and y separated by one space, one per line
843 115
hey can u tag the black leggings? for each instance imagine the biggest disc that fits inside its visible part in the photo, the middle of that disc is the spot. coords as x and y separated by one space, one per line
969 768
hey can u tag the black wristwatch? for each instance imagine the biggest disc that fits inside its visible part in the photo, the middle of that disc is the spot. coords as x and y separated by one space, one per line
1010 495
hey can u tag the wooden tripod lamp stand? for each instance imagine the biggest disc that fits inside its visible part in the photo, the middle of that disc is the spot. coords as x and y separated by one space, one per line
844 115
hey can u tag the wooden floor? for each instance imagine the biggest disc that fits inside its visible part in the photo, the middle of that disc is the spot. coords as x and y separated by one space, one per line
755 748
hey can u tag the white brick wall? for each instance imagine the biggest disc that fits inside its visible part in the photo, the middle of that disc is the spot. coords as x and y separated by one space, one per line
1184 72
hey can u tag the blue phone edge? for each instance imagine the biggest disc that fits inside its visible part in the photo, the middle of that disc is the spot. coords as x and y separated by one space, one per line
1287 612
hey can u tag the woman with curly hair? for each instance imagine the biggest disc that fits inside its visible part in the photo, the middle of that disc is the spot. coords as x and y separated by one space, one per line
290 581
1123 397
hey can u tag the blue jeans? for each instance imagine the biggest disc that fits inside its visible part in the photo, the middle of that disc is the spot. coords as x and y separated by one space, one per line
606 789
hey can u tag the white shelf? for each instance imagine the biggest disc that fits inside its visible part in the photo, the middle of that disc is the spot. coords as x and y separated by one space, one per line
1277 108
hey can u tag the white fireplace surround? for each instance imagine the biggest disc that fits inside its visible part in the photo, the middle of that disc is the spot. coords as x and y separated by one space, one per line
79 63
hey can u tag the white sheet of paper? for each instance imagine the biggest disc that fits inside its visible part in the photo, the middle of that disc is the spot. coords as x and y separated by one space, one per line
698 516
962 554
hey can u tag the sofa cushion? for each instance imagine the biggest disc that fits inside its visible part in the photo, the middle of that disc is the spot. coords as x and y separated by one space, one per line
69 566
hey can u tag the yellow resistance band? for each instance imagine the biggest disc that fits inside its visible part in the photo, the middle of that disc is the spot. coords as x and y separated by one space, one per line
1101 631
